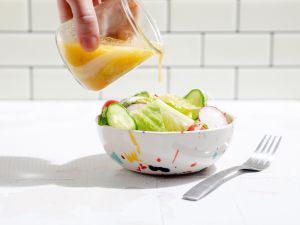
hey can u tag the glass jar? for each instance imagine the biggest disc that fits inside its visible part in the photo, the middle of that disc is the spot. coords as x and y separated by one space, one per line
128 37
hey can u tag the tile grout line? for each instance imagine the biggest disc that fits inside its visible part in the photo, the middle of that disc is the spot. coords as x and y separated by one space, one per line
272 49
168 16
224 66
32 65
238 15
29 9
224 32
295 66
236 83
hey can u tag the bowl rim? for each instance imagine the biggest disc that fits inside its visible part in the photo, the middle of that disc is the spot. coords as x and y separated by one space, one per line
230 125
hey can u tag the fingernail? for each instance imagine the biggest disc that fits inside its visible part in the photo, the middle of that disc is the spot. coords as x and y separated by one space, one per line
89 43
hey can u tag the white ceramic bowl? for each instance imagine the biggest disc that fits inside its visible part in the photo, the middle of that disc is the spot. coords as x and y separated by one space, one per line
164 153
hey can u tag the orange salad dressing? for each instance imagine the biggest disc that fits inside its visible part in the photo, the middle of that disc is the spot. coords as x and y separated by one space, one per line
111 60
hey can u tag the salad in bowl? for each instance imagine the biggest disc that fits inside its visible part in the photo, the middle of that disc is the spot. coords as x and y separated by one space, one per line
167 113
165 134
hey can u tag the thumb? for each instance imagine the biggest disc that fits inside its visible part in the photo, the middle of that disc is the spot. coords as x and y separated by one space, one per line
86 23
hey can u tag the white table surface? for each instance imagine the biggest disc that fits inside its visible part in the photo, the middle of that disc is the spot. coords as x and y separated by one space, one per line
53 170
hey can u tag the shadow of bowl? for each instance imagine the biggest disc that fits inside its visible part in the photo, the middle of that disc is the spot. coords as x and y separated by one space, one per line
90 171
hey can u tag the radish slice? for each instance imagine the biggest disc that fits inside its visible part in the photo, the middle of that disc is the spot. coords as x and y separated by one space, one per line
212 117
134 107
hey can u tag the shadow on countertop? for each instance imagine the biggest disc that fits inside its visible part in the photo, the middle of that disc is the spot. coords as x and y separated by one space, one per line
91 171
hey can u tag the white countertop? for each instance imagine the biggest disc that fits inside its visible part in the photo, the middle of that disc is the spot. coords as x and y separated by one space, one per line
53 170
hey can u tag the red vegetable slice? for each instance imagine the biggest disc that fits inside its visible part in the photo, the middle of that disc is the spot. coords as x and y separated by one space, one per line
109 102
212 117
194 127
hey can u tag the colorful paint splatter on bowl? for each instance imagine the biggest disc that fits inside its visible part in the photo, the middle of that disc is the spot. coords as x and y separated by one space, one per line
166 153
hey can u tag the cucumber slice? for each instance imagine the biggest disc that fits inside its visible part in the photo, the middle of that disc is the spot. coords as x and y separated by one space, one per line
196 97
118 117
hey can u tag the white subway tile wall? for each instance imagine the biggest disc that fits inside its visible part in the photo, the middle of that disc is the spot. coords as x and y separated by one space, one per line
58 84
237 49
287 49
44 15
14 15
138 80
269 83
15 83
28 49
182 49
203 15
208 80
270 15
158 9
233 49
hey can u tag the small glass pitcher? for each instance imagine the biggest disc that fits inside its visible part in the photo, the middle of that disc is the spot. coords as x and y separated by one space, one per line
127 39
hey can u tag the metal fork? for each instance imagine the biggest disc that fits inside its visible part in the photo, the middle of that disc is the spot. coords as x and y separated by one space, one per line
260 160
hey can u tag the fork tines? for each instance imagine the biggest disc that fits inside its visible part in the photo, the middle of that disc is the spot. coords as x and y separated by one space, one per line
266 149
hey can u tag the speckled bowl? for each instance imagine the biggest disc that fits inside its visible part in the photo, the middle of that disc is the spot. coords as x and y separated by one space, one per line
162 153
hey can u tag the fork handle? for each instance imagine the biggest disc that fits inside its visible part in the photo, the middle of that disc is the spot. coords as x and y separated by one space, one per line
211 183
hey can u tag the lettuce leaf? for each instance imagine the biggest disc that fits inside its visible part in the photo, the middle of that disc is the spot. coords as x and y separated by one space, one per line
182 105
149 118
138 99
158 116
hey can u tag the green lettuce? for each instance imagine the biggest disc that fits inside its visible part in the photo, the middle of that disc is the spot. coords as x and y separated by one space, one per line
158 116
182 105
149 118
143 97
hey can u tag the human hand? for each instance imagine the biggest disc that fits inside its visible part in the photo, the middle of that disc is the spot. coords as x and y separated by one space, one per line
83 13
86 23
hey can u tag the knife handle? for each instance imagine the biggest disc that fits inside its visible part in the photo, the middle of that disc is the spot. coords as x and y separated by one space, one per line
211 183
